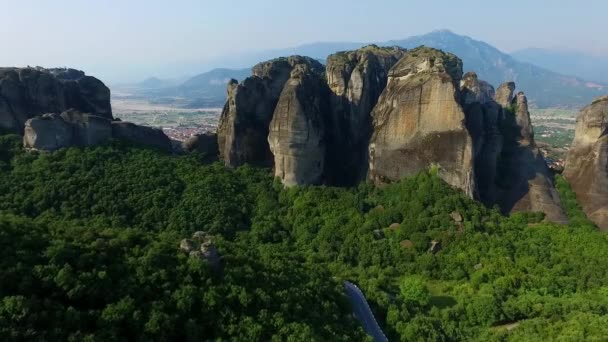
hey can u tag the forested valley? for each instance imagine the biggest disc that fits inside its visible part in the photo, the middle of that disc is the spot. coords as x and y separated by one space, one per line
90 251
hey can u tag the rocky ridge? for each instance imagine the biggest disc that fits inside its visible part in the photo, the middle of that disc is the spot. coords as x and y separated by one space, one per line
56 108
386 113
29 92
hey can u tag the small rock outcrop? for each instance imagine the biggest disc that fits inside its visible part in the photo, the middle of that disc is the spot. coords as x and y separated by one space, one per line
297 129
244 123
205 143
356 79
587 163
201 246
52 131
29 92
141 135
419 123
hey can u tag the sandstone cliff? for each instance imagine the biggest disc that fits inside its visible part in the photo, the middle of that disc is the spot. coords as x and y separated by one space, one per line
243 127
587 162
29 92
356 80
419 123
297 129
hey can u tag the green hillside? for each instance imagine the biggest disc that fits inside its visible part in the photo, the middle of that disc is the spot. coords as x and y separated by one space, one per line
89 251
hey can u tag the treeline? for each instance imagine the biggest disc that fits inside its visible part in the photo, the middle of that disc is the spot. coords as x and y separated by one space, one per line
89 250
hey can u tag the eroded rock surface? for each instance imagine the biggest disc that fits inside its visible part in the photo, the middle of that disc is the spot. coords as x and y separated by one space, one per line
50 132
29 92
419 123
587 162
297 129
141 135
524 182
245 119
205 143
356 80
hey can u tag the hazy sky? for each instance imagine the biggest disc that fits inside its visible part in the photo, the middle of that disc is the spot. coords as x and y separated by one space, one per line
120 40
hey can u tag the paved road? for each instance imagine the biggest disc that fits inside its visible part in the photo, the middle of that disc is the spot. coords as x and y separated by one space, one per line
363 312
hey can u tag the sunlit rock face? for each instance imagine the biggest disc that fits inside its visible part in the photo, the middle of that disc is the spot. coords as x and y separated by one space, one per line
419 122
297 130
587 162
244 123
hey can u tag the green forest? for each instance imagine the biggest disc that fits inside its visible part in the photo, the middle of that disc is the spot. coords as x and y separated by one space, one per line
90 251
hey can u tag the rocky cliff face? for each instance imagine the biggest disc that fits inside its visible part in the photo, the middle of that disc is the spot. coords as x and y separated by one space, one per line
29 92
524 182
356 80
243 127
410 110
483 118
419 123
587 162
297 129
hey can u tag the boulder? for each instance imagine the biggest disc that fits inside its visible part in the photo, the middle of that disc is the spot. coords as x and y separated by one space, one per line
456 216
141 135
356 79
586 166
50 132
187 245
297 129
244 123
205 143
29 92
211 255
418 122
394 226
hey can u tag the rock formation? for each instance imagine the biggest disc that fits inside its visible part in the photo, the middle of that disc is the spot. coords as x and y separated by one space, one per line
245 119
524 182
387 113
483 117
587 162
141 135
419 123
205 143
356 80
50 132
53 131
504 94
297 129
29 92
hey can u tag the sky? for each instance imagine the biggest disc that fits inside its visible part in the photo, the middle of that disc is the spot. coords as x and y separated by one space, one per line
129 40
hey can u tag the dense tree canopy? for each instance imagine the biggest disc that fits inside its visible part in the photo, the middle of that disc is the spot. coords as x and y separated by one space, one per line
89 250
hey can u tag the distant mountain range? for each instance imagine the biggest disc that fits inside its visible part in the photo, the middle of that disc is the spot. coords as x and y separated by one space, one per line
594 68
544 88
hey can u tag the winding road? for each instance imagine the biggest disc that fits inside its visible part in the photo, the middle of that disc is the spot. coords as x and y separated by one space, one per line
363 312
